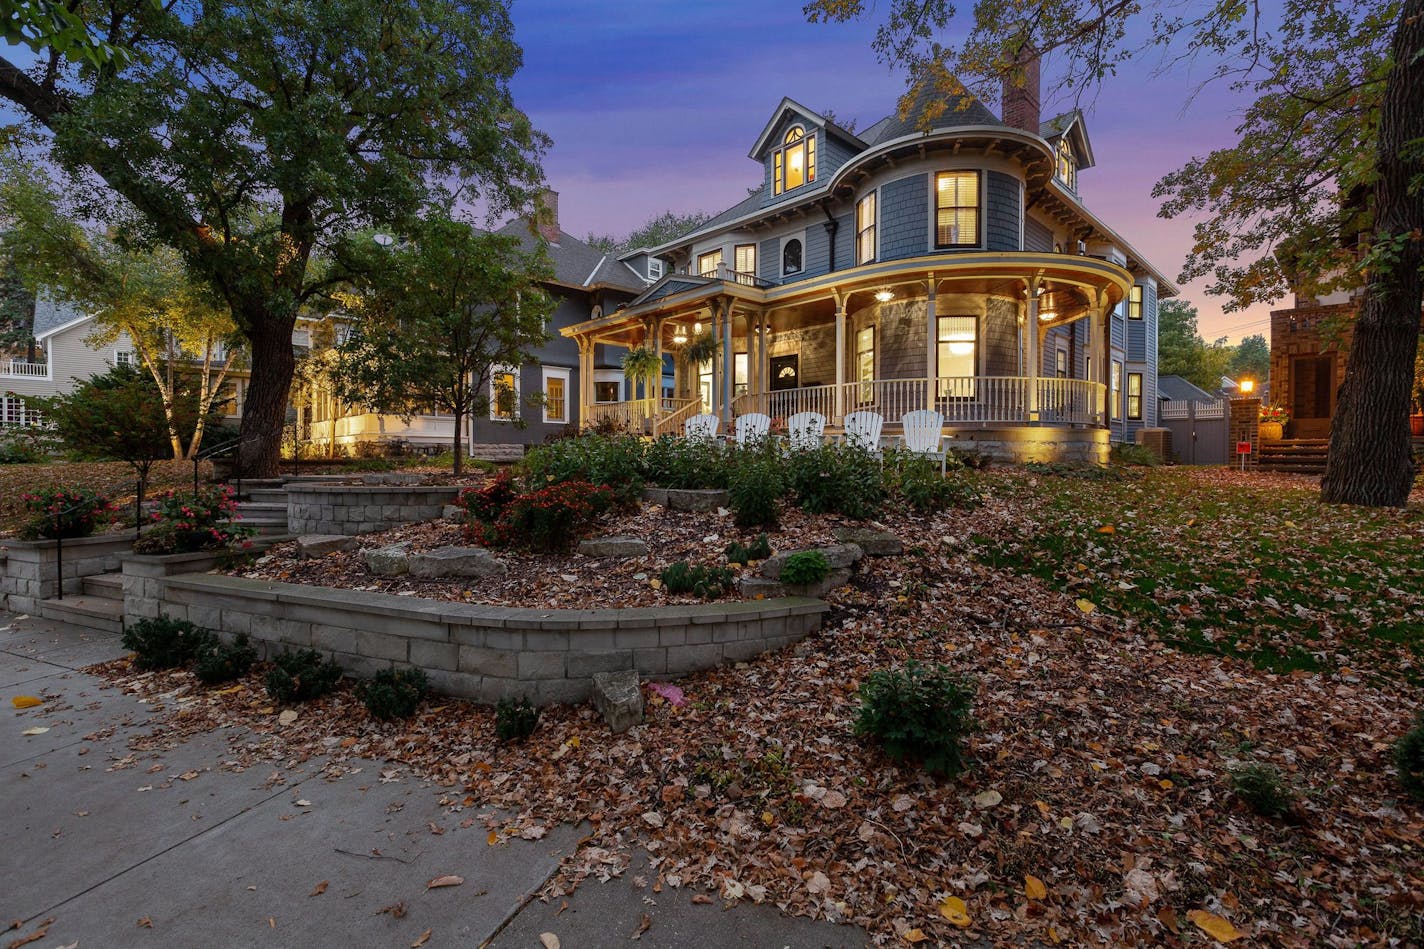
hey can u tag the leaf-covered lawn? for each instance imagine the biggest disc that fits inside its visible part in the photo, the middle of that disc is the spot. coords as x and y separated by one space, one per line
115 478
1214 561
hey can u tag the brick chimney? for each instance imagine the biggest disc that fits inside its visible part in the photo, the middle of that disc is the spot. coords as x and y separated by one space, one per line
1020 103
546 211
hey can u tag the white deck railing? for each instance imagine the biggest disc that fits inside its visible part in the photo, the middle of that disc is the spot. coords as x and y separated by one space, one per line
28 370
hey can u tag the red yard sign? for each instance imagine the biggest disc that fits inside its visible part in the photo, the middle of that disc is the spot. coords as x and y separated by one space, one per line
1243 448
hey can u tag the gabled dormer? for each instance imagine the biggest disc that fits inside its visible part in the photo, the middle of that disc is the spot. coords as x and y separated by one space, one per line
800 150
1072 151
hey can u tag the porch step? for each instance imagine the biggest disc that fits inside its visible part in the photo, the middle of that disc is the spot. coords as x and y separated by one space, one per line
1294 455
104 584
100 613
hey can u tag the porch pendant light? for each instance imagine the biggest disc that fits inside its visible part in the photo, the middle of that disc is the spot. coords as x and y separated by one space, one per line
884 296
697 328
679 335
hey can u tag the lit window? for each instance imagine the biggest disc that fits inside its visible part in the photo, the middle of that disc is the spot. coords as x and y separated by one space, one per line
1134 302
1117 387
745 263
795 161
739 374
865 362
957 209
504 394
791 258
958 339
655 268
1066 167
865 229
556 395
709 264
1060 363
608 385
1134 395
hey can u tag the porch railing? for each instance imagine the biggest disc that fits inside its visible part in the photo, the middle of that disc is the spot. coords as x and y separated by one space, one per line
17 367
671 422
643 415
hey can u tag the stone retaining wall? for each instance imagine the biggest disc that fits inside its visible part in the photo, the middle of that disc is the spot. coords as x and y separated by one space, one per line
1047 443
361 509
29 569
145 576
484 653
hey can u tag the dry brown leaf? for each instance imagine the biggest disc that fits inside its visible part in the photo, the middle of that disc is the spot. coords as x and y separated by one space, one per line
916 935
35 936
643 925
702 899
319 889
1034 888
549 940
448 879
1213 925
954 910
26 701
145 922
421 940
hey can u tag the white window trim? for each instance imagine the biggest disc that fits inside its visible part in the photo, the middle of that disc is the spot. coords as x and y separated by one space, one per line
608 375
556 372
655 268
873 194
125 357
495 372
781 254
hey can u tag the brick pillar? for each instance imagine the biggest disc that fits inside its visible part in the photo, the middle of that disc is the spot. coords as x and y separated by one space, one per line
1245 427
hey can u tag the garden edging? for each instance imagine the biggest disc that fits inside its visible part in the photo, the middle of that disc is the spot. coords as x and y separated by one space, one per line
484 653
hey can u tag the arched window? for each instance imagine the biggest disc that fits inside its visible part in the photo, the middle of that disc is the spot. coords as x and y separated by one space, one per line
795 161
1067 165
791 257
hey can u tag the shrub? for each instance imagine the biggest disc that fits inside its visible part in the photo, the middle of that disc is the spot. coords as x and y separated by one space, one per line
805 567
918 482
1262 788
691 464
302 676
218 661
183 523
706 582
164 643
917 714
393 693
65 512
549 519
1134 455
758 481
759 549
614 462
515 719
15 449
838 479
971 458
487 503
1409 759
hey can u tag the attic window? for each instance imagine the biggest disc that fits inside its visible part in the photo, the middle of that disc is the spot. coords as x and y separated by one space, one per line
655 268
795 161
1066 169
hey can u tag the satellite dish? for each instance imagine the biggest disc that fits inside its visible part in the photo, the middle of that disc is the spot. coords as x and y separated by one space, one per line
385 240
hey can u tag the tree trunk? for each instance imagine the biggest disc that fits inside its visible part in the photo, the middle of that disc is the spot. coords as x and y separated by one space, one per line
459 426
1369 461
265 410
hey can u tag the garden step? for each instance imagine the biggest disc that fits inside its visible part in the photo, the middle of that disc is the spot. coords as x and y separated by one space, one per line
265 494
105 584
100 613
264 506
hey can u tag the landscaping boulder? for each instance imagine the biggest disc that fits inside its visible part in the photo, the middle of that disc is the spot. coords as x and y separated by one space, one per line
690 500
319 545
453 513
613 547
656 496
456 562
837 556
875 543
618 698
838 577
392 561
760 588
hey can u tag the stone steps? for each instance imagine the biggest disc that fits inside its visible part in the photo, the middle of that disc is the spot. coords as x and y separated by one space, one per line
1294 455
109 585
100 613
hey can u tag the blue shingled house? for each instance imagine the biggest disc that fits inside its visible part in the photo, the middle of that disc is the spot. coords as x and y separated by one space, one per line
895 269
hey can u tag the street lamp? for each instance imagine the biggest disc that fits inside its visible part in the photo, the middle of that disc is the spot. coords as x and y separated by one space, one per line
1248 386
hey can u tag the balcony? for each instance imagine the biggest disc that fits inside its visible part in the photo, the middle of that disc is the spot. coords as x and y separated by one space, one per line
19 369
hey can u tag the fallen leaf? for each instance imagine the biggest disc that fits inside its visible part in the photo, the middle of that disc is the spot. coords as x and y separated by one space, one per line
35 936
448 879
1213 925
819 883
987 799
493 838
916 935
701 899
319 889
1087 606
421 940
549 940
954 910
236 688
287 717
26 701
1034 888
397 910
145 922
1107 529
38 730
643 925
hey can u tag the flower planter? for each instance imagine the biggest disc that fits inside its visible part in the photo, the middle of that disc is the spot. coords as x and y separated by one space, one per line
1272 431
1416 425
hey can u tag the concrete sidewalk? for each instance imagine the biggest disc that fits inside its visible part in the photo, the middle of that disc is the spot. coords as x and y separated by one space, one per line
177 848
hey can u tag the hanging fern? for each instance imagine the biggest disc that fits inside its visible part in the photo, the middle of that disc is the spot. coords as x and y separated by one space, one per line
702 349
642 365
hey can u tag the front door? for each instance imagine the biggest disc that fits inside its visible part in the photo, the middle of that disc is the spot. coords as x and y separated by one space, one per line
1312 395
785 372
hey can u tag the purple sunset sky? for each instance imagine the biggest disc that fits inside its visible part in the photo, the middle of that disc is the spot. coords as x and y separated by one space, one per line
653 105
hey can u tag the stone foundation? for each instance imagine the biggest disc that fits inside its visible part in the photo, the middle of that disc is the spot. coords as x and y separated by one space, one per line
1026 443
362 509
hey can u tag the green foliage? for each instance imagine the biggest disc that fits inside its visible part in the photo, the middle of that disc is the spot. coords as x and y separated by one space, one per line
1182 352
708 583
19 451
302 676
1409 759
611 461
488 503
804 568
1078 471
1251 359
917 481
393 693
838 479
217 661
671 461
645 366
659 230
758 480
759 549
1132 455
164 643
548 520
918 714
49 25
1262 788
183 522
515 719
65 512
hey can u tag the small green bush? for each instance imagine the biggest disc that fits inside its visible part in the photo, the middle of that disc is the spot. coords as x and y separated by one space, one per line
61 512
1409 759
690 464
218 661
804 568
759 549
918 482
611 461
393 693
302 676
1134 455
515 719
706 582
164 643
1262 788
918 714
757 483
838 479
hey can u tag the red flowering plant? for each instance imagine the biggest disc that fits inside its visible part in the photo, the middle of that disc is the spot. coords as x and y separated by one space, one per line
65 512
547 520
487 503
182 523
1274 413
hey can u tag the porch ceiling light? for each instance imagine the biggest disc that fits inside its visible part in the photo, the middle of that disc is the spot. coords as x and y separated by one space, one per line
697 328
884 296
679 335
1047 316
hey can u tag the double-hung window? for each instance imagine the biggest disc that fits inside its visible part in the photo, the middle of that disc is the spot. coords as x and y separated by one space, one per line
504 394
795 161
958 344
1134 302
556 394
1117 387
957 209
865 362
1134 395
865 229
708 264
746 263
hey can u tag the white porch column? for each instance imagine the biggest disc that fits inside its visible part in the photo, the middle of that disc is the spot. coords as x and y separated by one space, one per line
840 360
1034 359
585 380
729 364
931 341
1097 320
658 349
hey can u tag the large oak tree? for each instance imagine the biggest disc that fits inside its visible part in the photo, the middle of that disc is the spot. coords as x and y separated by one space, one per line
1323 189
255 136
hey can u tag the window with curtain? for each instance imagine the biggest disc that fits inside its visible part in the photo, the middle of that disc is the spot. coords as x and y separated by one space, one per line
957 209
865 362
745 264
708 264
504 395
865 229
1134 395
958 356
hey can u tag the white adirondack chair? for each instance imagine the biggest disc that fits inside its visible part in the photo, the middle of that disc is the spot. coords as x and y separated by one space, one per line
923 434
805 430
862 429
752 428
701 427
